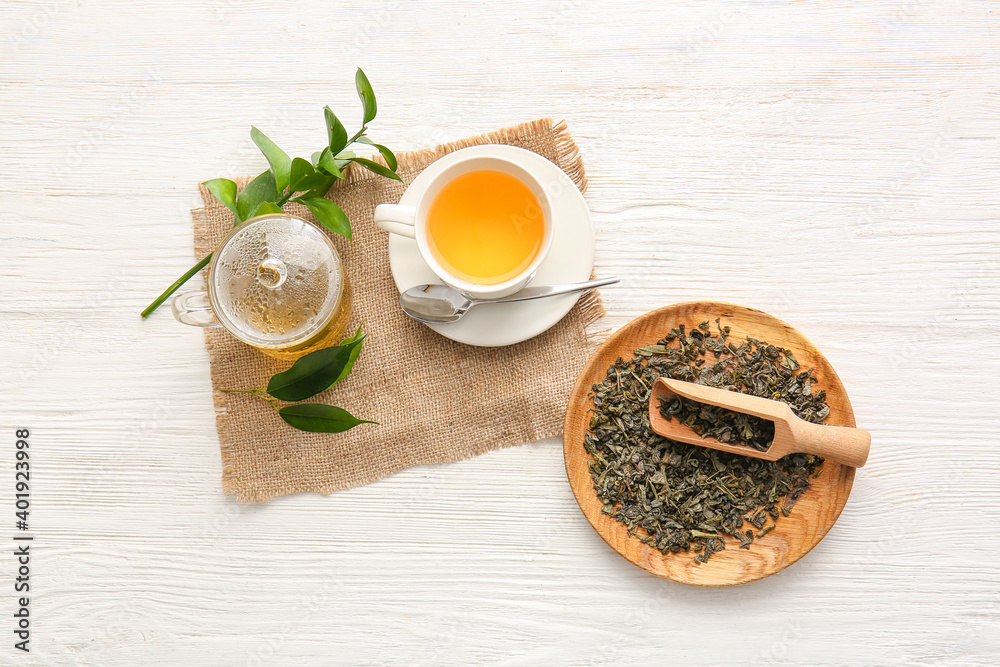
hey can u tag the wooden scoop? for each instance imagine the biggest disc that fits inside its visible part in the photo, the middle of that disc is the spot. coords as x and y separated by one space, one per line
841 444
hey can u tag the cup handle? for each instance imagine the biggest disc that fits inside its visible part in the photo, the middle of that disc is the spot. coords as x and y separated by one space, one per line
194 308
396 219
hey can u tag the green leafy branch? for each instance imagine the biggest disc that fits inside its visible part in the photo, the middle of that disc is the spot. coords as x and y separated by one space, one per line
298 180
314 373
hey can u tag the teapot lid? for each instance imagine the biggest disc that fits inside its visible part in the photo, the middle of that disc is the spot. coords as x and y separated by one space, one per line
275 280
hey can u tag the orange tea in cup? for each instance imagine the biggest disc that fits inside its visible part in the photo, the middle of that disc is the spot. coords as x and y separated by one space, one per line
485 226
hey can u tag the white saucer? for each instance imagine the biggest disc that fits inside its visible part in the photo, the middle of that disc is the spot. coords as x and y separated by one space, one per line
570 258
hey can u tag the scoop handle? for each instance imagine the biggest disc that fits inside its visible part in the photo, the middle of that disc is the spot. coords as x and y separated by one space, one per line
841 444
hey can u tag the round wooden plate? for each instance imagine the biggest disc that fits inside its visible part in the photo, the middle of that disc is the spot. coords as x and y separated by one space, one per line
814 513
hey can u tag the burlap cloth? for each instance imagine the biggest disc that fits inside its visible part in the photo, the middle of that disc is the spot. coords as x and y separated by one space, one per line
435 400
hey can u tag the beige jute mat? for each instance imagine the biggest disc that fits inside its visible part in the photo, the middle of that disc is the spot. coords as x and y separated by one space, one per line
435 400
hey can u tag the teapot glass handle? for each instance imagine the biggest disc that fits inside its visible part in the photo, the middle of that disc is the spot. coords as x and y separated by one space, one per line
194 308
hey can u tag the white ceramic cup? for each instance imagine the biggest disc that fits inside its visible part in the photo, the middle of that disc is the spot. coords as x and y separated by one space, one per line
411 222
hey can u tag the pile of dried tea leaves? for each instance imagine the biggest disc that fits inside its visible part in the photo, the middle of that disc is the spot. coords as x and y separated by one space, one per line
680 497
711 421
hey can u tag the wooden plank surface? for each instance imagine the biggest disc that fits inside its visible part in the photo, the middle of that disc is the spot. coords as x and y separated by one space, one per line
834 164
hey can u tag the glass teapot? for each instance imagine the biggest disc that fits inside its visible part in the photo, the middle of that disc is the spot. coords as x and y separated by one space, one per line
275 282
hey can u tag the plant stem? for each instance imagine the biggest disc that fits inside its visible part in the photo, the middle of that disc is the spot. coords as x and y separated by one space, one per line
177 283
259 393
355 137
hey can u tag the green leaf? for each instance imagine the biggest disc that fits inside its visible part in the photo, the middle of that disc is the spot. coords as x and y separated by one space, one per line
376 168
266 208
335 130
320 188
390 159
278 159
311 184
367 96
224 190
300 169
343 159
304 176
327 214
320 418
313 373
354 353
328 164
258 190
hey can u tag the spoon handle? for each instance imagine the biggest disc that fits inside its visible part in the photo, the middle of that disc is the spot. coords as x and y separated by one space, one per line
551 290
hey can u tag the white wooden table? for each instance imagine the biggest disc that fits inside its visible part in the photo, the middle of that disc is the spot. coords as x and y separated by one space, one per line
835 164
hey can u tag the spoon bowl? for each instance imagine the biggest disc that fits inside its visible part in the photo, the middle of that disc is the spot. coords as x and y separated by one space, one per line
434 303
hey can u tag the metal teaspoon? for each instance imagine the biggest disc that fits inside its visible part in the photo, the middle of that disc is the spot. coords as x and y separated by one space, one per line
437 304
